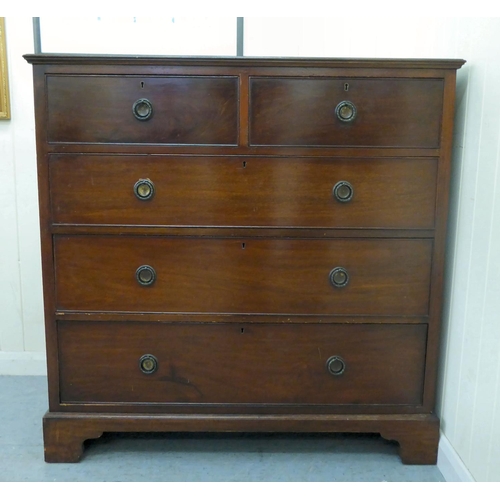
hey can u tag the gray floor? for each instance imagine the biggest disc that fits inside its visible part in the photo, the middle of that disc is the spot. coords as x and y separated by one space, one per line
188 457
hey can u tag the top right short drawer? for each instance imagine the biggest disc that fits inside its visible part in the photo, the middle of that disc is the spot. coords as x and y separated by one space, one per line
351 112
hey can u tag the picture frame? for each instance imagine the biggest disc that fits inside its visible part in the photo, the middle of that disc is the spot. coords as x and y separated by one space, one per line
4 78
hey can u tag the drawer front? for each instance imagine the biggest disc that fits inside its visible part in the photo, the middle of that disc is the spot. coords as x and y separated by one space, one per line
276 276
287 364
265 192
387 112
184 110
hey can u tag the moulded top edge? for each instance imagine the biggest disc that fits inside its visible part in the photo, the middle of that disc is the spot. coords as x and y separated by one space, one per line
244 61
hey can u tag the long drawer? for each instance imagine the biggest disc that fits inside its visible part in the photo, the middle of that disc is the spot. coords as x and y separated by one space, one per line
235 191
143 109
287 364
368 112
275 276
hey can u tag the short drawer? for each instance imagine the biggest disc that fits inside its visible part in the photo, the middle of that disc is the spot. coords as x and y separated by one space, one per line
370 112
142 109
275 276
232 191
231 364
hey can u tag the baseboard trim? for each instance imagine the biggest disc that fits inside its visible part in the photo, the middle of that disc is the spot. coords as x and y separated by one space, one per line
23 363
450 464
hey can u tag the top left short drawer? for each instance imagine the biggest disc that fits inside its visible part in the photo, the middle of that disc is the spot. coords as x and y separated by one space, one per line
185 110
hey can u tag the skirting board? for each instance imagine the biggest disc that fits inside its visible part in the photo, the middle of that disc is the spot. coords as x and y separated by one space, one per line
23 363
450 464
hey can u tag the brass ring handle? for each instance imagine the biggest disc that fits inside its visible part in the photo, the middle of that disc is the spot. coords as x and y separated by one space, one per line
142 109
144 189
346 111
148 364
145 275
339 277
335 365
343 191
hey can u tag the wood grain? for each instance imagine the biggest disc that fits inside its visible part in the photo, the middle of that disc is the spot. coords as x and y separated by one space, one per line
64 434
243 363
211 275
300 111
241 191
185 110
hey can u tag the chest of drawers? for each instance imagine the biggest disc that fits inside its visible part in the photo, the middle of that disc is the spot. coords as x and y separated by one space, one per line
242 244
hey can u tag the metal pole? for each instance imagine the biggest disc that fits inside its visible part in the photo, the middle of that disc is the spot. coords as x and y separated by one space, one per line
37 36
239 36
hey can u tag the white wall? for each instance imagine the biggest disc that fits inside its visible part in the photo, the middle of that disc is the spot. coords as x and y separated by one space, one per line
351 37
470 388
469 393
140 35
21 303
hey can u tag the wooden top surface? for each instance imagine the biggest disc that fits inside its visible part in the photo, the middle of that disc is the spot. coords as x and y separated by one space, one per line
244 61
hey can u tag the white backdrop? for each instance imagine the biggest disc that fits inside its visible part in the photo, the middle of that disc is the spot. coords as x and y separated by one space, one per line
469 395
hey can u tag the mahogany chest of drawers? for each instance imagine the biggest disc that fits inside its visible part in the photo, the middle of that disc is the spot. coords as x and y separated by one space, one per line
242 244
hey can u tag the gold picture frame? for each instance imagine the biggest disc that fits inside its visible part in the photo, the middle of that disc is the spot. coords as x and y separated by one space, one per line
4 77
